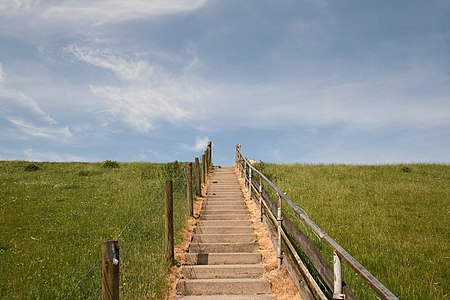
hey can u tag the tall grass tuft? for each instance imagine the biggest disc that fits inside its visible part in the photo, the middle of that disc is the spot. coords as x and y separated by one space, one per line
110 164
31 167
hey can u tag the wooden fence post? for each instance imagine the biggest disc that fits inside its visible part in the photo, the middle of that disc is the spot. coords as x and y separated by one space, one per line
210 154
197 177
250 183
206 161
280 222
260 189
169 222
203 168
190 198
110 270
337 282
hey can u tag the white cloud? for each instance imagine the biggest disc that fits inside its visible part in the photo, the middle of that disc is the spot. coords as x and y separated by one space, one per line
200 144
20 98
124 69
35 155
111 11
396 98
32 130
2 75
147 93
12 97
17 6
141 107
34 19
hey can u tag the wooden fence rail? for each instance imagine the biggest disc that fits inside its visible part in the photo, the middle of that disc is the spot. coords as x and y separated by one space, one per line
289 235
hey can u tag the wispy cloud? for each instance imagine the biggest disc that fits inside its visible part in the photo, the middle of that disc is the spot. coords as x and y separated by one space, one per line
13 97
394 99
17 6
35 18
177 70
36 155
111 11
33 154
33 130
147 93
2 76
122 68
139 107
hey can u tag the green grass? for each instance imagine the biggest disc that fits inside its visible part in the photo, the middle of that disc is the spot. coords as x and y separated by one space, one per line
394 219
54 216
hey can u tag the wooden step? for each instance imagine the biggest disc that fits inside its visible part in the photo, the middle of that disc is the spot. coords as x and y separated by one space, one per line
223 230
222 247
223 238
223 258
228 223
239 286
225 217
214 211
223 271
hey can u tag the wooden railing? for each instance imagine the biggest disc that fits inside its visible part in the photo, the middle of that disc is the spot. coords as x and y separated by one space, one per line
304 261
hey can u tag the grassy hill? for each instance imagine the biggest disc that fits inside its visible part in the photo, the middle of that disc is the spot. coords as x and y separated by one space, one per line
394 219
54 216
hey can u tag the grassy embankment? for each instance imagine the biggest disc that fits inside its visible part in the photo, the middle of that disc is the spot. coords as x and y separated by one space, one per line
54 219
393 219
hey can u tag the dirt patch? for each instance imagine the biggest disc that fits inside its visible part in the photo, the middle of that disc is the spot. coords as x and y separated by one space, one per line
181 249
282 285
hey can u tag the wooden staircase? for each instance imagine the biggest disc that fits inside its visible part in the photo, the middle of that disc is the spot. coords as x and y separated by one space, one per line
224 261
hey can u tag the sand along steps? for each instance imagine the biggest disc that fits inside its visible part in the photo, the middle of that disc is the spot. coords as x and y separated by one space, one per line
224 261
229 297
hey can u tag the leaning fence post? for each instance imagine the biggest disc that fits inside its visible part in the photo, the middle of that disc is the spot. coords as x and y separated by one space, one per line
197 177
203 168
169 222
236 157
280 220
337 268
190 198
250 182
206 160
208 163
210 153
110 270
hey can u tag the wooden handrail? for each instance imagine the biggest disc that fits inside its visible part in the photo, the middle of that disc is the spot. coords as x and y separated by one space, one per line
371 280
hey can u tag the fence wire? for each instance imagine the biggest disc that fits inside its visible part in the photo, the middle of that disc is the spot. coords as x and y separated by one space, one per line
143 267
88 286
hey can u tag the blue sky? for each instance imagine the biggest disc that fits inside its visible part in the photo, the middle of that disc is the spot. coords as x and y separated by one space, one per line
310 81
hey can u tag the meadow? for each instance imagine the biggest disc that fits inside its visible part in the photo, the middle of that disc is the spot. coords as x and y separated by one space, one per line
54 217
394 219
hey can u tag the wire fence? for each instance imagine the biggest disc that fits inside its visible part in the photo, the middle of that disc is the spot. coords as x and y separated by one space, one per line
143 266
88 286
